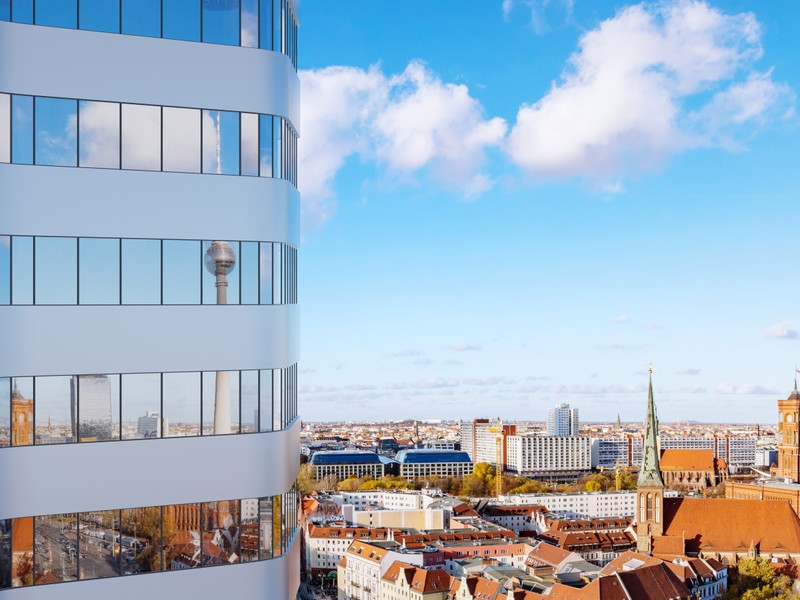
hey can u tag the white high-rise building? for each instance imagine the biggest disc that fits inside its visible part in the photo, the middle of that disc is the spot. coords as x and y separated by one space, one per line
149 224
562 420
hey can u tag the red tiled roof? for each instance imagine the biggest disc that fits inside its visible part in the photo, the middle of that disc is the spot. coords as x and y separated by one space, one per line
687 460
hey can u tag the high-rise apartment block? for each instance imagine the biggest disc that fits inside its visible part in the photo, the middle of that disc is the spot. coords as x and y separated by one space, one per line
149 223
562 420
479 440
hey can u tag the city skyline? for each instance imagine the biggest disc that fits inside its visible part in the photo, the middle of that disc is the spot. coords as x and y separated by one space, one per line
504 206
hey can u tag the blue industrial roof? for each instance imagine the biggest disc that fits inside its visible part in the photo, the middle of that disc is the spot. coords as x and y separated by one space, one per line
432 456
344 457
386 460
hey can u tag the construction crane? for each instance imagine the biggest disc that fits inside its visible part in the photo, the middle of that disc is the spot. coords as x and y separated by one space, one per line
497 430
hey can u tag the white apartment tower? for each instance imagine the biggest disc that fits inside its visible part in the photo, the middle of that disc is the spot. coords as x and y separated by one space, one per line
562 420
149 223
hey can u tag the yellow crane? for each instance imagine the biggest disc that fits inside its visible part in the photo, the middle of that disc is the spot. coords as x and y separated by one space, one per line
497 430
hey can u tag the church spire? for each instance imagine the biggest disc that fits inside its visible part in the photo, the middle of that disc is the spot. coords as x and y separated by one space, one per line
650 473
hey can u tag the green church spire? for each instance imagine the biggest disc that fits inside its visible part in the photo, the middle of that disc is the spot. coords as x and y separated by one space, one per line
650 473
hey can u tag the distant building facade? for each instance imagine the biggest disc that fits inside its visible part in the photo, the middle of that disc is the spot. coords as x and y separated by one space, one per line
425 463
341 464
534 454
562 420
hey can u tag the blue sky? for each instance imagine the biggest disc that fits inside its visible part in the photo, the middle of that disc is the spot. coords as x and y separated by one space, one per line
508 205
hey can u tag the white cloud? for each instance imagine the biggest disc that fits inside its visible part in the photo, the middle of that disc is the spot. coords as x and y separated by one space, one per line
622 319
539 9
619 106
462 347
783 330
407 352
409 123
688 371
746 389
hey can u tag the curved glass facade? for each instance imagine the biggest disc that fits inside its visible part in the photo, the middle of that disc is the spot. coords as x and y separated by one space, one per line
40 550
100 271
265 24
115 135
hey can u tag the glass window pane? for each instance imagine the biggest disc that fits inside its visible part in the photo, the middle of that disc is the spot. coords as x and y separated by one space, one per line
277 399
248 267
5 414
277 148
181 272
5 554
265 272
56 548
97 400
56 270
249 144
249 401
5 269
265 527
221 21
22 552
141 137
22 411
182 20
181 536
181 404
249 36
220 142
181 140
57 13
5 15
220 402
277 24
141 17
22 11
99 134
99 544
141 272
265 146
141 406
277 273
99 15
53 415
56 123
22 129
226 294
141 540
5 128
265 25
99 271
21 270
220 533
265 399
249 536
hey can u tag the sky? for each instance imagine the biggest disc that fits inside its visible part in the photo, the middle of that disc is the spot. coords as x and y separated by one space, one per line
510 204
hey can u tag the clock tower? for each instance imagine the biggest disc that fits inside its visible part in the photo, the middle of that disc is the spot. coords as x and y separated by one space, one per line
788 428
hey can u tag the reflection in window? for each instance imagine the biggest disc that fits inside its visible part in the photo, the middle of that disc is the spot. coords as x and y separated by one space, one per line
221 22
99 15
56 548
5 15
248 267
220 402
182 20
56 270
99 134
141 272
23 11
220 533
265 400
5 554
277 399
141 137
5 412
277 271
181 140
249 150
56 121
140 543
141 17
5 128
22 129
265 526
249 35
249 382
181 536
99 544
54 423
249 536
56 13
98 271
22 411
181 404
181 277
265 273
277 154
265 146
220 142
141 406
5 269
22 552
227 292
21 270
97 401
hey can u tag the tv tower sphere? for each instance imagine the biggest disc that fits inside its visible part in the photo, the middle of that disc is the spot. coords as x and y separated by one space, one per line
220 258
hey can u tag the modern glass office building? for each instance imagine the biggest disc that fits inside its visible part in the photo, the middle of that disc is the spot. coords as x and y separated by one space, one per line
149 221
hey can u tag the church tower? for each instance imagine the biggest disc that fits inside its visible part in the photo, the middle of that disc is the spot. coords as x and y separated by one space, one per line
650 486
789 429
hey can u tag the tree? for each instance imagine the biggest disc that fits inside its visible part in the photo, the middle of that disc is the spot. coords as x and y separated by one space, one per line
593 486
305 479
755 579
